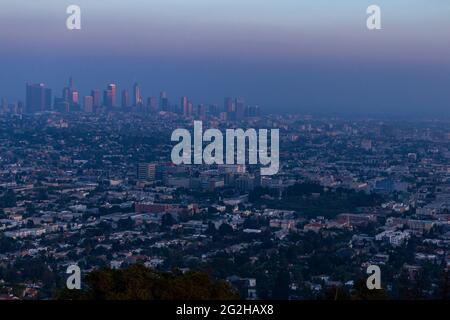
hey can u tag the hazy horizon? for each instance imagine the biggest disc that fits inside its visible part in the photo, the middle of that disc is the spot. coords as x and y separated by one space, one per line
291 55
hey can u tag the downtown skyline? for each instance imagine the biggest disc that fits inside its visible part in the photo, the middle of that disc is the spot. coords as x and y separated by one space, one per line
291 57
40 98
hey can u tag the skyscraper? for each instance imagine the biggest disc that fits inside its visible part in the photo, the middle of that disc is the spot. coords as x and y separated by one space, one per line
229 105
163 101
213 109
152 104
61 105
240 108
190 111
184 105
137 97
38 98
70 94
201 112
252 111
88 104
107 98
74 99
66 94
97 99
125 99
113 89
230 108
4 105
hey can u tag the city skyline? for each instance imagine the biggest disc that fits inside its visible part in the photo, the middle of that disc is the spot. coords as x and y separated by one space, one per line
294 56
225 155
39 98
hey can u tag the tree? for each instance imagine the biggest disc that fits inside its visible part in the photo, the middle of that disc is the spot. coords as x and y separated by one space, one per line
211 229
140 283
167 220
281 289
225 229
8 199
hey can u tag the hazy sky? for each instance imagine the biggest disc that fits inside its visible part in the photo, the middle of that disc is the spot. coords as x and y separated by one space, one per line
304 55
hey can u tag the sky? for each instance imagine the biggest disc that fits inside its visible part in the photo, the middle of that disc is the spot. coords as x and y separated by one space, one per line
284 55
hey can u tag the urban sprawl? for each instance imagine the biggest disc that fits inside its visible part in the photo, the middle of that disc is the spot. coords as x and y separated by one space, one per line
90 182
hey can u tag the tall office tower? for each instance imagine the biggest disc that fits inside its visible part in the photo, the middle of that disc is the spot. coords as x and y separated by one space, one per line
125 99
108 98
97 98
4 106
252 111
190 109
66 94
152 104
213 109
74 97
256 111
240 108
184 105
247 111
38 98
14 108
113 89
20 107
201 112
163 101
223 116
70 94
230 108
61 105
229 105
88 104
137 97
146 171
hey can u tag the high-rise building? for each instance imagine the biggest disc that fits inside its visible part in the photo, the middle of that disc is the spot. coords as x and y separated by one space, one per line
4 105
97 99
201 112
20 107
88 104
125 99
113 89
240 108
152 104
61 105
229 105
107 98
163 101
252 111
70 94
66 94
38 98
137 97
190 109
213 109
74 97
184 105
230 108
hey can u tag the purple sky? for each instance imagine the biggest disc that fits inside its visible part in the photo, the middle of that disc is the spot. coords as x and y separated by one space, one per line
289 54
